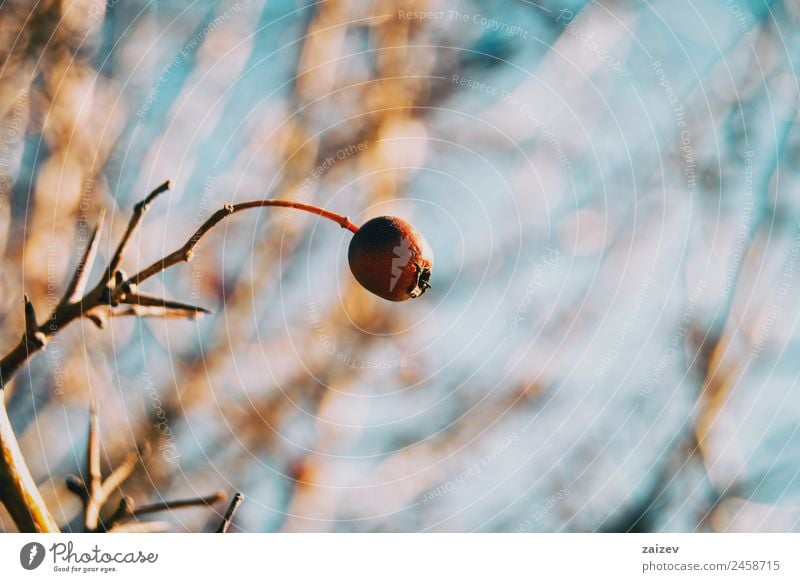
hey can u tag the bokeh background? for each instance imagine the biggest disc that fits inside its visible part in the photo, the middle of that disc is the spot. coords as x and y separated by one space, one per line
610 189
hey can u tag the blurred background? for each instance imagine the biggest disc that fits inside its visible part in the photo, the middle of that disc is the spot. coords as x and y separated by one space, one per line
610 190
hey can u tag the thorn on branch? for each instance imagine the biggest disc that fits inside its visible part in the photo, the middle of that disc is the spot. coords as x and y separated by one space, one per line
33 337
228 519
141 311
98 319
165 304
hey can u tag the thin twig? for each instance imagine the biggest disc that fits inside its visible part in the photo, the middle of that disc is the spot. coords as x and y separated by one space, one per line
228 519
97 490
166 304
120 474
160 312
205 501
186 251
127 508
77 286
136 219
93 476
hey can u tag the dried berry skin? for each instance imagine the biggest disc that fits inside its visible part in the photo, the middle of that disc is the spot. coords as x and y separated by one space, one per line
391 259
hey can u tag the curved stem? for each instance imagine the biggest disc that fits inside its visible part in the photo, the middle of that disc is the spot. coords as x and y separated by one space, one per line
340 219
185 252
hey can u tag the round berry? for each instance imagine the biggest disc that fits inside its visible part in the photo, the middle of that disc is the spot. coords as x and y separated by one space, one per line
391 259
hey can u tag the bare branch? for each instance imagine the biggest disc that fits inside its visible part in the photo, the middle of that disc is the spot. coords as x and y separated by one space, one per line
127 508
166 304
77 286
136 219
205 501
17 487
94 482
93 451
228 519
120 474
139 311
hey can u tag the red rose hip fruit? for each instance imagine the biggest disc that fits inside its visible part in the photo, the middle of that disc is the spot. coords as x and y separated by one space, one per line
391 259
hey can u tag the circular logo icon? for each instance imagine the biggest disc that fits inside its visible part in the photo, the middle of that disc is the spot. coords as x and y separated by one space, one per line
31 555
